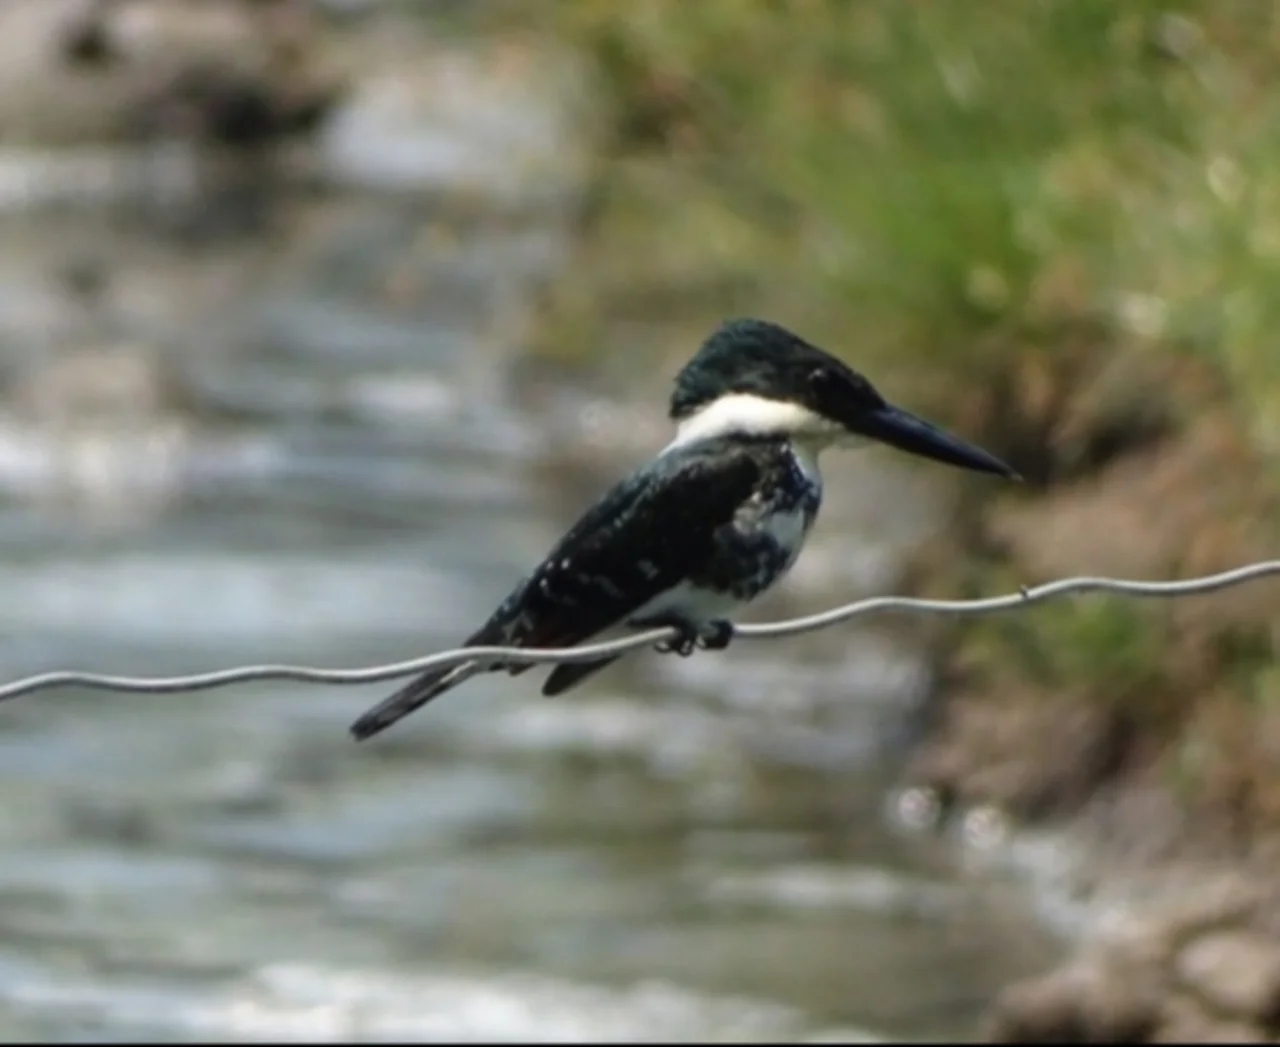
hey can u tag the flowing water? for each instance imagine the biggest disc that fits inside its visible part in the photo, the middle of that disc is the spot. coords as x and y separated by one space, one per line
304 461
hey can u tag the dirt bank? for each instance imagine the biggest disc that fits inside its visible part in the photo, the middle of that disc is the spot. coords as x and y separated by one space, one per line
1144 733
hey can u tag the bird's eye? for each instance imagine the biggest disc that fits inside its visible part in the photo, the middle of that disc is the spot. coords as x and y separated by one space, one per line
842 386
820 378
824 388
827 383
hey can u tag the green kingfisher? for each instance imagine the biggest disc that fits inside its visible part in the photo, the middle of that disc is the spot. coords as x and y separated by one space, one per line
713 521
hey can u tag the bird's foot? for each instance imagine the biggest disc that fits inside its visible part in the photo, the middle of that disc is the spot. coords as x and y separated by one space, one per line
710 636
716 635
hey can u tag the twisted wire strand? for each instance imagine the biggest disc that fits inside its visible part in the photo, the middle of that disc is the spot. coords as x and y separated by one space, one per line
588 652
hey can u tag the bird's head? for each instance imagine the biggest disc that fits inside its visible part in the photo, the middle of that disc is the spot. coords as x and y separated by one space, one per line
755 378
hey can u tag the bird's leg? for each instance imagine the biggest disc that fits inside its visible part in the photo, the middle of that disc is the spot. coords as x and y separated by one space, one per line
711 636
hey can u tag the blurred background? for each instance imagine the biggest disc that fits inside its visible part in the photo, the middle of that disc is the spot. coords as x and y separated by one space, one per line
319 321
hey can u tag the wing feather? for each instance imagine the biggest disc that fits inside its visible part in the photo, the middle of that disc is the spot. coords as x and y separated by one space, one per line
642 538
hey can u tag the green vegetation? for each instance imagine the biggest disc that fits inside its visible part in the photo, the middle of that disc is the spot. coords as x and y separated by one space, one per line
1110 647
1056 221
957 187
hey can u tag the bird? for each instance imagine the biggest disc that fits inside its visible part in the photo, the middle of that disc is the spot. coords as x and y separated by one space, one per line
718 517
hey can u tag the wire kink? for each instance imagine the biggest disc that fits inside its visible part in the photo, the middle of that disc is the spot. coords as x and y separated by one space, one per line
487 655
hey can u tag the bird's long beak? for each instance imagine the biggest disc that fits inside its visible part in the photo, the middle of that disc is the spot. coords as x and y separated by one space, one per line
903 430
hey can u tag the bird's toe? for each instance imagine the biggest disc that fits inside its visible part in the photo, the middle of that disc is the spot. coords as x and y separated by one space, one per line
684 643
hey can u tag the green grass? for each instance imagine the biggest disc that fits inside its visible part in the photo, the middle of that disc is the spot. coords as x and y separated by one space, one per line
937 188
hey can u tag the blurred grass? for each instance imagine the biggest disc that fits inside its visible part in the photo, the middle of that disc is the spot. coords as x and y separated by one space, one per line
939 188
1055 222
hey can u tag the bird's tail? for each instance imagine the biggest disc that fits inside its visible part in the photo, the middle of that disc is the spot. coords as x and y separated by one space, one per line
413 695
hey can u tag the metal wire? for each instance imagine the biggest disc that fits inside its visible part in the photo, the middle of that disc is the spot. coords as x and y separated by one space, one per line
589 652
